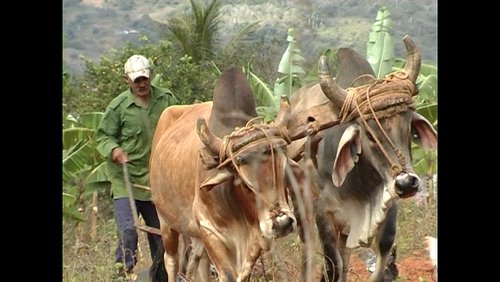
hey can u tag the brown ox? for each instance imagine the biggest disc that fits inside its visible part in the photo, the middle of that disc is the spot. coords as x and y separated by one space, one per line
364 163
227 191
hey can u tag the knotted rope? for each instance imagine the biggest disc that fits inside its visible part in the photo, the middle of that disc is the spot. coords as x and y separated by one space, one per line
387 97
251 133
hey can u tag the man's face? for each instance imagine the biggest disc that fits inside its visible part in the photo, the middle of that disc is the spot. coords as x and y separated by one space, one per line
141 86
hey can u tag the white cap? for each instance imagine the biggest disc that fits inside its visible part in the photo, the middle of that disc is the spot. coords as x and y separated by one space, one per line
137 66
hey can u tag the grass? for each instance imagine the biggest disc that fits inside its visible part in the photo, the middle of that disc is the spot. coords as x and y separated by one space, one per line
415 221
92 259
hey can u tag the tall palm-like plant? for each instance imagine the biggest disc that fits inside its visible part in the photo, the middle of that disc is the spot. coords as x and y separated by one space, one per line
196 33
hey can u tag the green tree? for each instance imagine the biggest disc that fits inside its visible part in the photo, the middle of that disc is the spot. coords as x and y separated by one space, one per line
102 81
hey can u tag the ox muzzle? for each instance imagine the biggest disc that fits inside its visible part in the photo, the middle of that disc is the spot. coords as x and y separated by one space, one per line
284 224
407 184
280 225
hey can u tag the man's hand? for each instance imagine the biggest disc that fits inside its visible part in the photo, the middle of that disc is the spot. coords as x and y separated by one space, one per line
119 156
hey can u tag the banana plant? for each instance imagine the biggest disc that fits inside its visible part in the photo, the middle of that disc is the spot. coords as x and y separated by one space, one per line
83 167
290 75
380 48
263 94
290 70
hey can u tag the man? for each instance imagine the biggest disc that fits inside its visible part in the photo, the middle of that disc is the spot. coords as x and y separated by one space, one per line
124 137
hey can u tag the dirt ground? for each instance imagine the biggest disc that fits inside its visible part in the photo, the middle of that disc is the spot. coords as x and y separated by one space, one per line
414 268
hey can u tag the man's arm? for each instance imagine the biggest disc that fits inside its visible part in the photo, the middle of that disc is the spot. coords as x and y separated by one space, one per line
107 137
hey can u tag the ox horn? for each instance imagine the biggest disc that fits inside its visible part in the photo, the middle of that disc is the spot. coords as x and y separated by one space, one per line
207 137
412 66
284 114
332 90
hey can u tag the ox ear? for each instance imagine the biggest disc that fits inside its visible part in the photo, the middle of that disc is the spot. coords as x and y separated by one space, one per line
217 177
347 154
423 133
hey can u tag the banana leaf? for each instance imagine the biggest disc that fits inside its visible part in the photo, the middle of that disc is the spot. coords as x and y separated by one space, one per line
75 159
424 161
73 136
429 111
90 120
290 70
263 94
380 48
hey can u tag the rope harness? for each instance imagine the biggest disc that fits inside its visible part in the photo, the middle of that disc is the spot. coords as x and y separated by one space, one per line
250 139
377 100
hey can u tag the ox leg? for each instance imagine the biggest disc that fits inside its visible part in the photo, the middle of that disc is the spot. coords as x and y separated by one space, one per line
345 254
157 272
198 252
303 199
252 255
171 244
328 236
204 274
385 241
219 254
306 234
186 248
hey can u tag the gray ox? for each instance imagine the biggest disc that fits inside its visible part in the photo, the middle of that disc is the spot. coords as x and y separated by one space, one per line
364 164
223 187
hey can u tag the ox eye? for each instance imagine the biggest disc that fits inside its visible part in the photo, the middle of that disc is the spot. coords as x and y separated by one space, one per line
414 134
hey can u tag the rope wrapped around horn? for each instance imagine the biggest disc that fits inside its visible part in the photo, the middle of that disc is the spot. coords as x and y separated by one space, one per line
387 96
275 134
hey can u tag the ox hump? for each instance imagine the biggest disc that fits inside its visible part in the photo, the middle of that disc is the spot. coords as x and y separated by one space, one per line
233 103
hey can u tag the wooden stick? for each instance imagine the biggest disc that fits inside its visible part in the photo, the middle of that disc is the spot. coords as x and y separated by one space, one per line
131 199
143 187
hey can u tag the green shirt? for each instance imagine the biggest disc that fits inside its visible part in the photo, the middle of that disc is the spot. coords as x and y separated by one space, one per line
127 125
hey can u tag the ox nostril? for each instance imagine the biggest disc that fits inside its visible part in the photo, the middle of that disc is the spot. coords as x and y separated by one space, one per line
284 224
414 181
407 184
283 220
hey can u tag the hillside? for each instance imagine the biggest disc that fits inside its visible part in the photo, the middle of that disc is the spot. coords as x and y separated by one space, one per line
92 27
